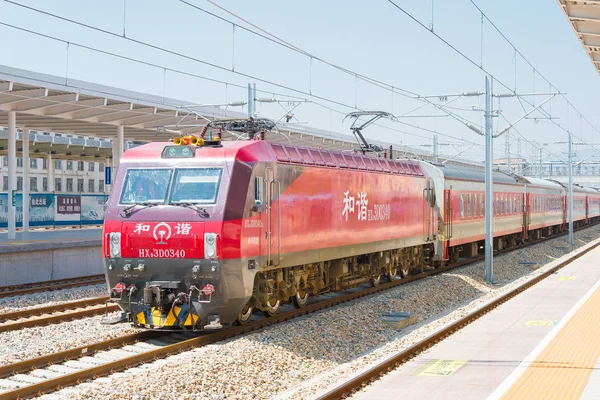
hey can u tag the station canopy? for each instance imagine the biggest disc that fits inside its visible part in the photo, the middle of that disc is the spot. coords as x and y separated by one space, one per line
86 115
584 17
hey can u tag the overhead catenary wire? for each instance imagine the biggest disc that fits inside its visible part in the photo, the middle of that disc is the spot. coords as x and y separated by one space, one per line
365 78
480 66
380 84
460 119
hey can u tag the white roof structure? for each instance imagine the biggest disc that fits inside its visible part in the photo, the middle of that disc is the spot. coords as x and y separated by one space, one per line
584 17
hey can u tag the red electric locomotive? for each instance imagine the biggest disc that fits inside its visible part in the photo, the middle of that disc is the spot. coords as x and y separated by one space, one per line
200 234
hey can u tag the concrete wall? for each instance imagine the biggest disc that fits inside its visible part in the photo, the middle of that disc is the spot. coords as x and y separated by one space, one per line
18 266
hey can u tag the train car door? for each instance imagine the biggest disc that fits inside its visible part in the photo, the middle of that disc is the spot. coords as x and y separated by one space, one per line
526 213
587 209
273 218
429 210
565 208
447 223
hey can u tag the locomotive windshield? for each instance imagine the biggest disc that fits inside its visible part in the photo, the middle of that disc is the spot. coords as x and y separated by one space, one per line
196 185
190 185
146 185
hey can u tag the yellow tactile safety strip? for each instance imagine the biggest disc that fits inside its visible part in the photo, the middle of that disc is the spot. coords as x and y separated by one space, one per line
440 368
562 369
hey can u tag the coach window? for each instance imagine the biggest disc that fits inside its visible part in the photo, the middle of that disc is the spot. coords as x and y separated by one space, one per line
496 206
462 205
468 205
481 206
475 205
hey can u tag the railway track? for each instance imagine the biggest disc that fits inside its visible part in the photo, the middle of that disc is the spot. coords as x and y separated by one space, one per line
51 372
353 385
53 314
17 290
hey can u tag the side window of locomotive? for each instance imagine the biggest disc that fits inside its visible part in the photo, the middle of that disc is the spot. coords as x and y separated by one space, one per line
258 191
196 185
145 185
462 205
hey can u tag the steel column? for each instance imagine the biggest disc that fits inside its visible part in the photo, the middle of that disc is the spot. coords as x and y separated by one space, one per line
489 193
118 146
25 145
570 191
50 173
12 172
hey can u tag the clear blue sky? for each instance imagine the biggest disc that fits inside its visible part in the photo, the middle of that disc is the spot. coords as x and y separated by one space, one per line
372 38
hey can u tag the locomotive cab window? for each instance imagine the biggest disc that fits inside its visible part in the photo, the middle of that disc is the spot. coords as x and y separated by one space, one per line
145 185
196 185
258 191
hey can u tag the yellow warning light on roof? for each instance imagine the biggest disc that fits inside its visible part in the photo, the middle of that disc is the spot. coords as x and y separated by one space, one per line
188 140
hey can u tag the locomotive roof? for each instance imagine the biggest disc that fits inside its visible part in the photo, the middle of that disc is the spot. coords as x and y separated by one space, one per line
262 150
474 174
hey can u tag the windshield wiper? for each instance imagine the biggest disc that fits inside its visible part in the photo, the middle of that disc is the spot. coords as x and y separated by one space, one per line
201 211
127 212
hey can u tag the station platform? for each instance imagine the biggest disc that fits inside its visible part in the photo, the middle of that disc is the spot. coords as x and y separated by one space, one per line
41 255
542 344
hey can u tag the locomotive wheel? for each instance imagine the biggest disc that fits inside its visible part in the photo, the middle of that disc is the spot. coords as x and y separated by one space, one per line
300 299
274 307
404 270
245 315
375 280
394 274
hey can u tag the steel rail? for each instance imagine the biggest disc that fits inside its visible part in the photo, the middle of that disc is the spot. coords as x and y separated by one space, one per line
57 284
66 314
184 345
51 309
353 385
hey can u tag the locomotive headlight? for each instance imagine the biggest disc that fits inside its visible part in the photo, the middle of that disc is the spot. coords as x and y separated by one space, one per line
210 245
115 244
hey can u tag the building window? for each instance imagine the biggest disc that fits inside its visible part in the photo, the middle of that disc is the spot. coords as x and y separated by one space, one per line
80 185
56 164
91 186
91 166
5 183
101 167
101 185
79 165
19 183
33 162
5 161
69 165
58 184
69 184
33 184
44 184
44 163
19 161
